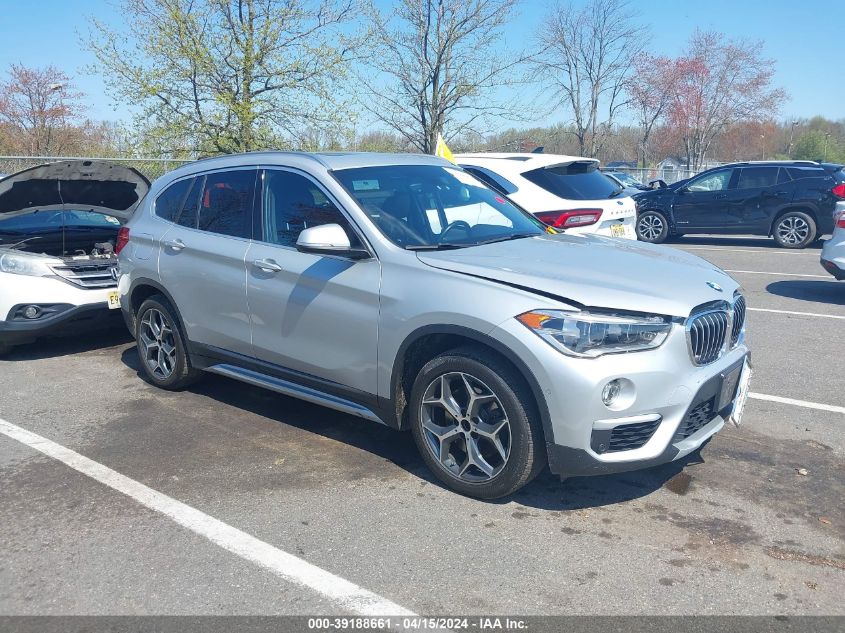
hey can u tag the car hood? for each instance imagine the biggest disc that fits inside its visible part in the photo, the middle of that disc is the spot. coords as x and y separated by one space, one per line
79 185
597 272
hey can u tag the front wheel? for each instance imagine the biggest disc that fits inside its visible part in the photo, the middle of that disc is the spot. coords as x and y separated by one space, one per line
475 424
794 230
652 227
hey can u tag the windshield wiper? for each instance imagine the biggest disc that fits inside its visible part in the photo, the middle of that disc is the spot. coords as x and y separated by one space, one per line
436 247
21 242
507 238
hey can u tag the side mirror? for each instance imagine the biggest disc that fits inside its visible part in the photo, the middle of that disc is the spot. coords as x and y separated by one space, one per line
657 184
328 239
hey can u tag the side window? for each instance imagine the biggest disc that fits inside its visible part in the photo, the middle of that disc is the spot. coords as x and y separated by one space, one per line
293 203
717 181
757 177
169 202
225 205
783 176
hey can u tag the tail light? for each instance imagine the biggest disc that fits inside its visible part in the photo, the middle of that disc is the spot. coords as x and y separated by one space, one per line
570 219
122 239
840 223
839 190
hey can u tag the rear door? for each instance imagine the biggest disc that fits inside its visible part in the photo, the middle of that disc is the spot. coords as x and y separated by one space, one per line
313 314
702 204
201 261
759 193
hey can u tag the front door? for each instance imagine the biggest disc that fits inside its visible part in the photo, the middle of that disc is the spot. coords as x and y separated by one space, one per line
201 260
313 314
702 204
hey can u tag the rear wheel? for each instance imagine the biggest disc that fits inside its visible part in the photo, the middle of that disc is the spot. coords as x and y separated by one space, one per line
652 227
161 347
475 424
794 229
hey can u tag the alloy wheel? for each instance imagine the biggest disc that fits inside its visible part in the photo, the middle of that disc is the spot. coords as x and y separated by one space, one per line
158 346
793 230
650 227
465 427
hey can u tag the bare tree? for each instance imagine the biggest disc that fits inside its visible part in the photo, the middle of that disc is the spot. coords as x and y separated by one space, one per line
652 90
726 82
587 55
38 110
438 65
213 76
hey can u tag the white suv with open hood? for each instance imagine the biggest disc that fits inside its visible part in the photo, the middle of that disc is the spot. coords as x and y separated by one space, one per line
565 192
59 237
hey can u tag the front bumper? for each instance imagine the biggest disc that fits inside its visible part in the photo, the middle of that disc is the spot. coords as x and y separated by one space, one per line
833 268
670 403
67 319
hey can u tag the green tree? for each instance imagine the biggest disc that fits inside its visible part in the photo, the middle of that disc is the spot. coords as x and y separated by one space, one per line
218 76
815 144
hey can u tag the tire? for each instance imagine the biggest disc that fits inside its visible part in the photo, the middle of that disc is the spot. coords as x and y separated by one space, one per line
794 229
164 359
652 227
500 392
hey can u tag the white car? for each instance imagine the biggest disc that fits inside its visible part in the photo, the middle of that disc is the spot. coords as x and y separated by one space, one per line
60 228
565 192
833 251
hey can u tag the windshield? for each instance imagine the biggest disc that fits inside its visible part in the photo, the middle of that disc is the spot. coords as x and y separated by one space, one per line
576 181
40 222
420 206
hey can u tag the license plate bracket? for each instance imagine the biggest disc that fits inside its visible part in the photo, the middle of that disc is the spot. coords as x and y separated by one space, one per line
730 383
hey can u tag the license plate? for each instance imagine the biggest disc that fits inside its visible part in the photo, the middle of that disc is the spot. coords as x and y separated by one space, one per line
617 230
114 300
742 394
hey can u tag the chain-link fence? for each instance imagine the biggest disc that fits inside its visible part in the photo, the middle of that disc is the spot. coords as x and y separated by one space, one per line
667 174
152 168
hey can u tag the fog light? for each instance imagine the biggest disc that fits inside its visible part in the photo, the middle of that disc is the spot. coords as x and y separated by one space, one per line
611 391
31 312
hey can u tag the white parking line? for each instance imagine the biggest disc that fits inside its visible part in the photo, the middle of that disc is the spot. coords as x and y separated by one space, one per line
809 314
760 272
728 249
287 566
797 403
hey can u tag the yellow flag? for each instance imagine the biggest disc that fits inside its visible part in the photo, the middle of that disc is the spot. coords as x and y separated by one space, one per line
442 150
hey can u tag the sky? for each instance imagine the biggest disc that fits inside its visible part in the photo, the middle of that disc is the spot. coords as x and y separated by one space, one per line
803 40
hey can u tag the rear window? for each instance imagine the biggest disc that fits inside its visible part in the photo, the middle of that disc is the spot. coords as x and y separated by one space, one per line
798 173
576 181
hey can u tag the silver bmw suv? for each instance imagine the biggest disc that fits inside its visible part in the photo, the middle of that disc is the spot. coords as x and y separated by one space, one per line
398 288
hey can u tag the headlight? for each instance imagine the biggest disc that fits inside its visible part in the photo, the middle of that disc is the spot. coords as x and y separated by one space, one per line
26 264
588 335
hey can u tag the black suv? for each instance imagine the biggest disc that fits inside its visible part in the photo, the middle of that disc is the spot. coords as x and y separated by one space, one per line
792 201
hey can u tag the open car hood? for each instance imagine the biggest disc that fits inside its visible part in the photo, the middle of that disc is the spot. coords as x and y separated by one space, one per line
78 185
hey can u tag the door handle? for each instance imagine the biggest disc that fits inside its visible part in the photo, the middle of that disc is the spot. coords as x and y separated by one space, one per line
267 265
176 245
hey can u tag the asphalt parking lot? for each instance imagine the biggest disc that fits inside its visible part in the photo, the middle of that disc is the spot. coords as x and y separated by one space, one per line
318 512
